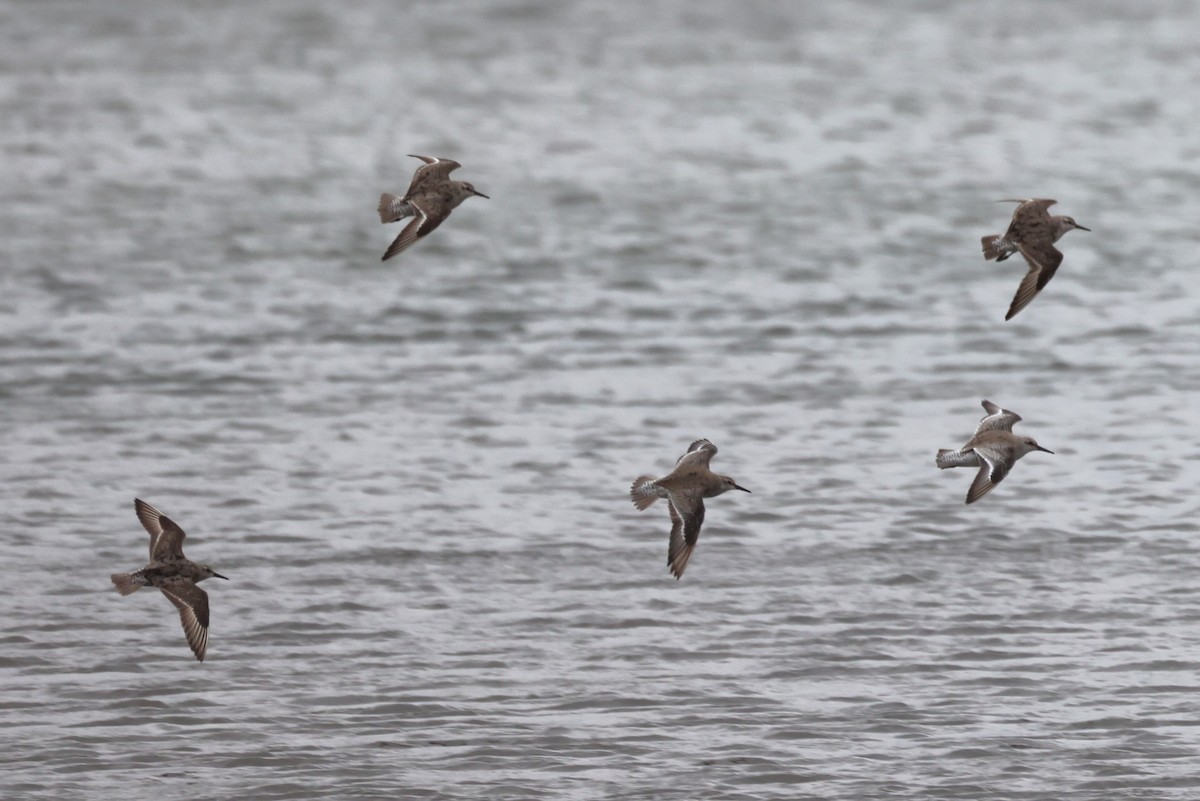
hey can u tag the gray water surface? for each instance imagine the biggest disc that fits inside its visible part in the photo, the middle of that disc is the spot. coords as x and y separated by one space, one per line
753 222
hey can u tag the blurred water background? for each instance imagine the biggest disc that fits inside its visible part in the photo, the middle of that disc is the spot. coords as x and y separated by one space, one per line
754 222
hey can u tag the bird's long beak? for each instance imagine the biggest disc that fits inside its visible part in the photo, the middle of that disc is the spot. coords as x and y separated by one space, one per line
488 198
1079 227
1045 450
218 575
743 489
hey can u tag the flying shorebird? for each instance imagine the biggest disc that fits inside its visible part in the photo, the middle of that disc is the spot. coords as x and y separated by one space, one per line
1033 232
173 573
685 490
430 198
994 450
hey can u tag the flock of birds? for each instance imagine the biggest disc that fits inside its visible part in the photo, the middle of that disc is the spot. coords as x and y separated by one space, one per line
993 450
430 198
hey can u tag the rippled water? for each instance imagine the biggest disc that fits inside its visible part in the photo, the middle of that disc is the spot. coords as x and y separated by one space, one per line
753 222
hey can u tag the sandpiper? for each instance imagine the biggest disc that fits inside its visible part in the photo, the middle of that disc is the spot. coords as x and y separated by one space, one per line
1033 232
685 490
994 450
173 573
430 198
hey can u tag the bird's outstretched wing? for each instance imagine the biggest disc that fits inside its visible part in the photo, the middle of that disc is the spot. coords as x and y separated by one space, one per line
699 454
997 419
166 538
1043 260
192 603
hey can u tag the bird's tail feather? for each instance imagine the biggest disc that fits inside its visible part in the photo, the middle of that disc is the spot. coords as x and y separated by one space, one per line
392 208
992 250
947 457
127 582
643 492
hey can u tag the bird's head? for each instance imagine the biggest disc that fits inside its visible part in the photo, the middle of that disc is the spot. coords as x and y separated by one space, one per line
728 484
471 190
210 573
1030 444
